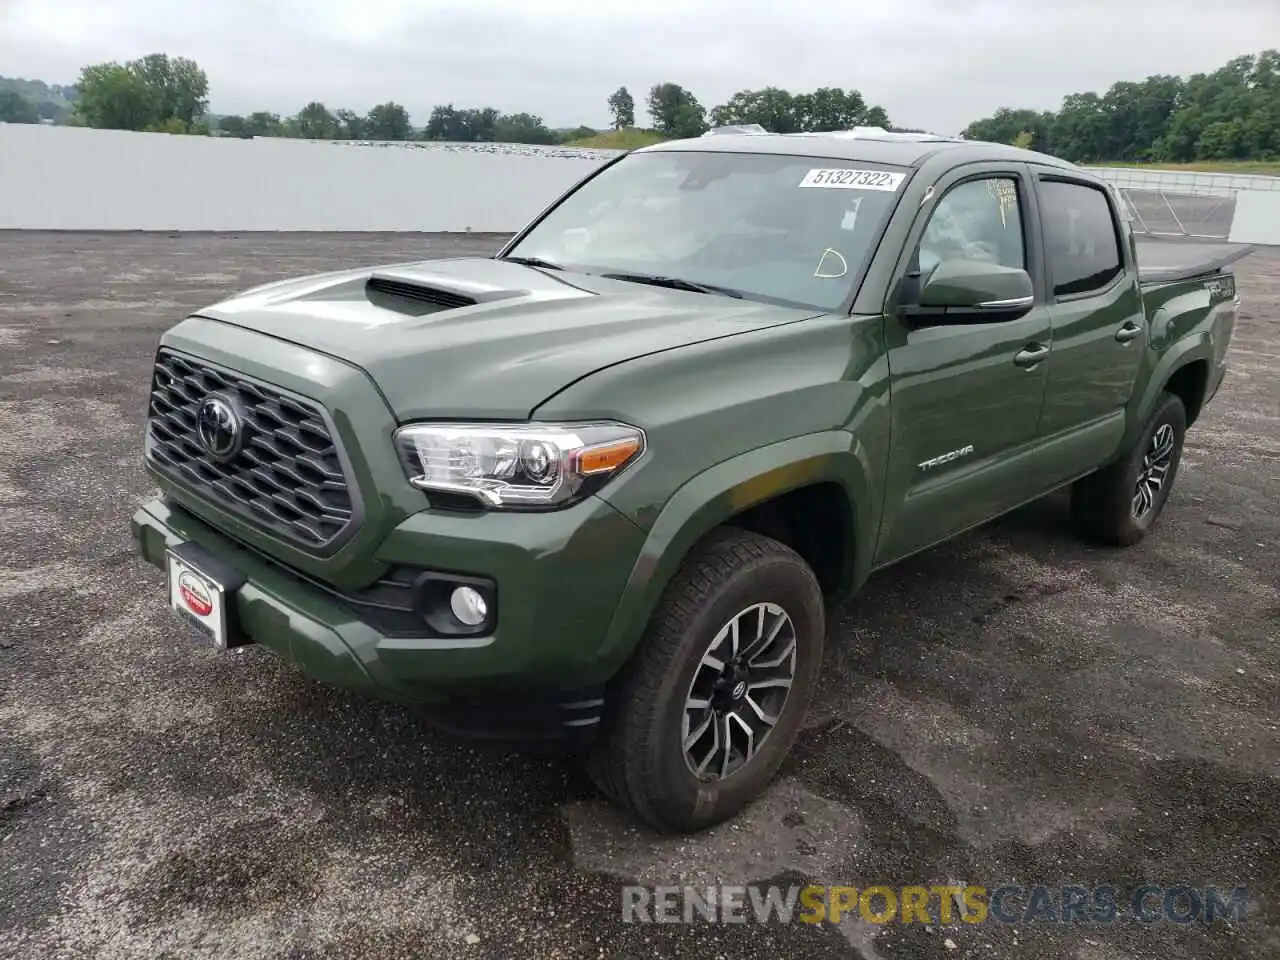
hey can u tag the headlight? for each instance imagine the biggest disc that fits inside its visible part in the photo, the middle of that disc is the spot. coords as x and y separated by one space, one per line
517 465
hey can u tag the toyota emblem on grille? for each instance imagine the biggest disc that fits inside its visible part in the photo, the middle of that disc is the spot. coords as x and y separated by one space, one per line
218 425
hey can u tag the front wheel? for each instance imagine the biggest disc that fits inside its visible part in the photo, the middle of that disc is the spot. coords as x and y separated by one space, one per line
1118 504
699 722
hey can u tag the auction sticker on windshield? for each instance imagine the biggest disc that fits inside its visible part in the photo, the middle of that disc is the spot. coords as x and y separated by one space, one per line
842 178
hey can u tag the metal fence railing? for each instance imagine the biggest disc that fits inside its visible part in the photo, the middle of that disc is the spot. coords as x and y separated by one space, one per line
1193 204
1188 183
1158 213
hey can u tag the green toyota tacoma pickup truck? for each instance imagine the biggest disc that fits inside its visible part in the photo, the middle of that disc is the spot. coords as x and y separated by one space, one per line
609 482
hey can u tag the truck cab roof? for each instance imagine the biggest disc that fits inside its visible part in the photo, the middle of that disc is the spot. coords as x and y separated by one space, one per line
864 144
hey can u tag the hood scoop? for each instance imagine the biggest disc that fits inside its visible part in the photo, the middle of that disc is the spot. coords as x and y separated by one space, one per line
415 299
437 286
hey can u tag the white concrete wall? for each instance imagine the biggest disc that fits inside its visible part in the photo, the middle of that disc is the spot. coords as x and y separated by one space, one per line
66 178
1257 218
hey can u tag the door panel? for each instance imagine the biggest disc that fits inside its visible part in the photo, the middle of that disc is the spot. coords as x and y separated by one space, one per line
957 391
964 397
1099 327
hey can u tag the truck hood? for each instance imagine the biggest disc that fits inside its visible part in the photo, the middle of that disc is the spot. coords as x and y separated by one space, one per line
484 338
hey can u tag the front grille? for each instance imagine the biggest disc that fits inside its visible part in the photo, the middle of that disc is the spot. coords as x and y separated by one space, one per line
286 477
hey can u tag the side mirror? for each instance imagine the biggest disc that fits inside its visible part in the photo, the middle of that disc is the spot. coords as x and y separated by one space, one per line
972 291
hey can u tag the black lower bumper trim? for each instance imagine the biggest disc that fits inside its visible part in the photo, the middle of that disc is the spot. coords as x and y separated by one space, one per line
566 715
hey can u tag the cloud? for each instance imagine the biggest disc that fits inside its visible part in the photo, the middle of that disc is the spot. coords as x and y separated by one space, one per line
931 63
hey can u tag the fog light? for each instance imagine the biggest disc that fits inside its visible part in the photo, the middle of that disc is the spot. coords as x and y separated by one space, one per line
468 606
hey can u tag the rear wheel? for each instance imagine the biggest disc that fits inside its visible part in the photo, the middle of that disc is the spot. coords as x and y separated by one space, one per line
699 722
1118 504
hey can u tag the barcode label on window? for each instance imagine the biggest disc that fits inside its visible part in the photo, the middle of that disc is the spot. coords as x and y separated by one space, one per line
843 178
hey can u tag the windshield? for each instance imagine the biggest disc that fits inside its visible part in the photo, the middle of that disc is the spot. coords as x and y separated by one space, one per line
794 230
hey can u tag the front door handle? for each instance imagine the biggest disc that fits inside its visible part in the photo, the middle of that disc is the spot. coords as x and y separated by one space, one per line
1031 355
1130 331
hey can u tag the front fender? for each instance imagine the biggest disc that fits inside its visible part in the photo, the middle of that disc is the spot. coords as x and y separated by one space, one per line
729 488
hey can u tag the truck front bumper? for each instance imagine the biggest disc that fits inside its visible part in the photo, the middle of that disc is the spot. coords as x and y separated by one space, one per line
556 594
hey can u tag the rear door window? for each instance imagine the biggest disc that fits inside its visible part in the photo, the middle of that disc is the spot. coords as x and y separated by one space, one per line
1081 239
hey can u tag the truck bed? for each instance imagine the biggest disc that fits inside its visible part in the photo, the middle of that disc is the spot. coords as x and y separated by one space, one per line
1165 261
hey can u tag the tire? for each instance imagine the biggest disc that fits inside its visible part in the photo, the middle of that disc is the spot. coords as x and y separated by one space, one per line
1106 505
639 758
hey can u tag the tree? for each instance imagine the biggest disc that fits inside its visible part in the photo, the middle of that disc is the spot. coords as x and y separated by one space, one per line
833 108
461 126
49 101
442 123
1221 140
778 111
1006 125
49 110
351 126
262 124
1137 114
623 108
178 86
171 125
772 108
675 111
15 108
388 121
522 128
231 125
876 117
315 122
1081 126
471 124
1232 113
152 93
479 123
114 97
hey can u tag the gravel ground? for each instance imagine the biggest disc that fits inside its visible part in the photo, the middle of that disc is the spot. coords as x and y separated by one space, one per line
1010 707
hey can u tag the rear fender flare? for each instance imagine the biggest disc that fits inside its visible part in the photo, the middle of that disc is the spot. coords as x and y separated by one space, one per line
727 489
1198 347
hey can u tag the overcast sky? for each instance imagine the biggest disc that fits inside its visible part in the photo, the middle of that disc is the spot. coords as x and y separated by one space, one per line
936 64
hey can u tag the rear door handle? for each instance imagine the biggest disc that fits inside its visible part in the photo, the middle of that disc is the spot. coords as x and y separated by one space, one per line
1031 355
1130 331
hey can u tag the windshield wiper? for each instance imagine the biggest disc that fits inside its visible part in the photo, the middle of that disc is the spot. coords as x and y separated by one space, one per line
533 262
674 283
